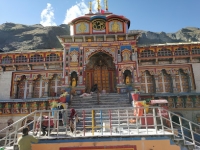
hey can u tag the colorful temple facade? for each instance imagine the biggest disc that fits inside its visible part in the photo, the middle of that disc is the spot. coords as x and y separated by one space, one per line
100 50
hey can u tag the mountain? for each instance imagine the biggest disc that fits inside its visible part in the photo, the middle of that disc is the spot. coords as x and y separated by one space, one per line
188 34
24 37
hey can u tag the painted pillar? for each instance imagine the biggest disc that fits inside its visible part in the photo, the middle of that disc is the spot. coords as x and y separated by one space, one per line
64 64
46 88
191 87
30 93
173 76
156 81
15 89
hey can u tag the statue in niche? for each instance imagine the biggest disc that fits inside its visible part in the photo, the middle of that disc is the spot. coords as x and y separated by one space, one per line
128 80
73 82
74 58
126 56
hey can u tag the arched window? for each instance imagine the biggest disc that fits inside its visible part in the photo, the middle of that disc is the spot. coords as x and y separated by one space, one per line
55 86
23 88
164 52
182 81
21 59
196 50
7 60
147 83
36 58
147 53
52 57
39 87
181 51
164 82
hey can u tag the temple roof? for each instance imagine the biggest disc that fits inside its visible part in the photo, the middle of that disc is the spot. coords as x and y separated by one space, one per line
106 16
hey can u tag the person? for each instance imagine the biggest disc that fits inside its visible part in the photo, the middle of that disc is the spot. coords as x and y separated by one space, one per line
60 107
44 125
73 115
24 142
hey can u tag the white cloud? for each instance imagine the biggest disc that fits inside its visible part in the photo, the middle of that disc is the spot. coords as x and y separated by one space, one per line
47 16
80 9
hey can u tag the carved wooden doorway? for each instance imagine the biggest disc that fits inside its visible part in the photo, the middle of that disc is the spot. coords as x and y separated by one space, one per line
100 70
101 78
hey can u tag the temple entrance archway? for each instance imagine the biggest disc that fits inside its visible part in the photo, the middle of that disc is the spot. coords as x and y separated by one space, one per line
100 70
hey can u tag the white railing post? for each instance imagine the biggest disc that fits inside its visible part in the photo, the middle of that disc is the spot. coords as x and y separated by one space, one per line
192 134
40 124
161 119
57 121
119 127
49 124
145 119
128 121
15 133
34 121
136 121
171 123
154 120
181 126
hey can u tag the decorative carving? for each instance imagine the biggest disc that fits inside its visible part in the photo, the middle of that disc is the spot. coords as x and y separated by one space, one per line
115 27
179 103
197 102
25 107
189 102
126 55
82 27
98 25
170 102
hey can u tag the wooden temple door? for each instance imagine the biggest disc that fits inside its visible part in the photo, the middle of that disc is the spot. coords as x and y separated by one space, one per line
101 78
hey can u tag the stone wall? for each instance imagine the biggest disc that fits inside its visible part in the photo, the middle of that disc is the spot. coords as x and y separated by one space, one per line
196 71
5 84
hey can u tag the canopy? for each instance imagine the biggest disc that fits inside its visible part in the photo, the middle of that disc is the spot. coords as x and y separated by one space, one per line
158 101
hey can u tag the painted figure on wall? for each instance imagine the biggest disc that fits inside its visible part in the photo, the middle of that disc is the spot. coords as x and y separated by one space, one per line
73 82
128 80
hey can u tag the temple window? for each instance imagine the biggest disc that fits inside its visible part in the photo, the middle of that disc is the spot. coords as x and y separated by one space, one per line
196 50
6 60
81 59
182 82
22 88
164 82
164 52
55 86
147 83
36 58
39 87
181 51
66 58
52 57
20 59
147 53
80 64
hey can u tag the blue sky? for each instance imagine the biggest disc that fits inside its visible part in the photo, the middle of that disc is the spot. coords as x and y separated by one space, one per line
151 15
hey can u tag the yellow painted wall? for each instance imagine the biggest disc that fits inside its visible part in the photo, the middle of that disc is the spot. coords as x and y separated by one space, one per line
140 145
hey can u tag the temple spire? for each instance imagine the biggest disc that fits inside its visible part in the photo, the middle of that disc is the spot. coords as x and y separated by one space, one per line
90 7
98 5
106 4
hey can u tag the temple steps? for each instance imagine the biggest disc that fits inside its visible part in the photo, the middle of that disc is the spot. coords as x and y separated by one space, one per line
105 101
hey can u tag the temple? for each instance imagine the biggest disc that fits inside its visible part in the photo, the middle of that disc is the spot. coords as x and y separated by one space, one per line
101 50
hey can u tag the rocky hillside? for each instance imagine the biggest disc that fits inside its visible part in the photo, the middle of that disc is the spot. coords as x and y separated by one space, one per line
189 34
24 37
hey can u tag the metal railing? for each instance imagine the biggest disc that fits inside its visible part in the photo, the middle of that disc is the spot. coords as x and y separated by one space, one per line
154 121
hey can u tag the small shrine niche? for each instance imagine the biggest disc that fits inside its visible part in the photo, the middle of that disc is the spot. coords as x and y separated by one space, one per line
74 79
127 77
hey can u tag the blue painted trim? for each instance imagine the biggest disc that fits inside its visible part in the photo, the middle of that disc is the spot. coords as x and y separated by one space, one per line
103 139
98 17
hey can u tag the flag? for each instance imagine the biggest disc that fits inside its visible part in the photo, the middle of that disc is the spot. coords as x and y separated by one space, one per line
102 11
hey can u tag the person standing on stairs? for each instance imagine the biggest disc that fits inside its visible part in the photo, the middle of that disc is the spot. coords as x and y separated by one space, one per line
24 142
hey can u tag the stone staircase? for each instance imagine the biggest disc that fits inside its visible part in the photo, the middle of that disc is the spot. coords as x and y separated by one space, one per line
105 101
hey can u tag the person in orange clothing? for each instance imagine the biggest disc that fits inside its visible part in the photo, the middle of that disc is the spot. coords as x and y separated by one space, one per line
137 111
